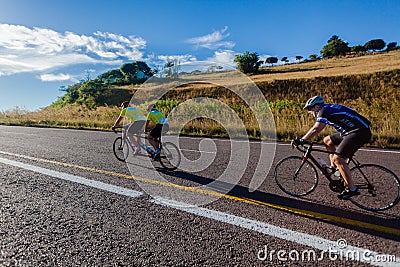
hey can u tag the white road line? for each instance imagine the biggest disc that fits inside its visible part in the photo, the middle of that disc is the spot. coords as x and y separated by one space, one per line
361 149
76 179
198 151
287 144
349 252
380 151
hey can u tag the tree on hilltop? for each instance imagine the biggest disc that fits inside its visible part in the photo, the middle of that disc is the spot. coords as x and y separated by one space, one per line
130 73
111 76
335 47
136 72
271 60
376 44
248 62
391 46
358 49
172 68
313 57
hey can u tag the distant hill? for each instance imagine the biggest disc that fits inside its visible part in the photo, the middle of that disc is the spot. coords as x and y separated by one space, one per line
338 66
292 77
370 84
339 79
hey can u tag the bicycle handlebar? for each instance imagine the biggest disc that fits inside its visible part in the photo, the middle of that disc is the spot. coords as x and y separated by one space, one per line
301 147
118 127
142 135
308 146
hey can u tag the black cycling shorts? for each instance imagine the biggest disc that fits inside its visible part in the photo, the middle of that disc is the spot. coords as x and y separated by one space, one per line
347 145
136 127
160 128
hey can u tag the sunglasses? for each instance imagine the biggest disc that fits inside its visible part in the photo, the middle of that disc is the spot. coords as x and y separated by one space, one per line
310 108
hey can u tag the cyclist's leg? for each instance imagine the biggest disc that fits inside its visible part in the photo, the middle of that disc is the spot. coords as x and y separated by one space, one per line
155 134
135 129
152 140
344 170
128 133
346 149
331 141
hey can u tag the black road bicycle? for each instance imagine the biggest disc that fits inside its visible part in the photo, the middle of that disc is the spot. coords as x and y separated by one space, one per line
297 176
169 157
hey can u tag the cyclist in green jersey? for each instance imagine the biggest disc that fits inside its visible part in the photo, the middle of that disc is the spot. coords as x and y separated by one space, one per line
136 126
161 125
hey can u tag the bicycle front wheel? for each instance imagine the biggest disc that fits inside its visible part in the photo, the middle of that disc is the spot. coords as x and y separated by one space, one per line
379 187
295 177
121 149
170 156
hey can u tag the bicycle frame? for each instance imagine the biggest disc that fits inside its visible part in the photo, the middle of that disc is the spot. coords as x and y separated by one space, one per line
307 154
298 176
169 156
142 144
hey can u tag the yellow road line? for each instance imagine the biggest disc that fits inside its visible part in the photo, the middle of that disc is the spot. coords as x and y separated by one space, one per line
306 213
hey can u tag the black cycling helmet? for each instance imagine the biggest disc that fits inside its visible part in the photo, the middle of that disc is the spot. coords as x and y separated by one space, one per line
315 100
124 104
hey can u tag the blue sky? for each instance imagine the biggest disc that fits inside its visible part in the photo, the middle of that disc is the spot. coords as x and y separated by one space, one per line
45 44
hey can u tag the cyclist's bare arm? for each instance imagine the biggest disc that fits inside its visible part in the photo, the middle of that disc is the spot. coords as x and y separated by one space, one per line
117 122
316 129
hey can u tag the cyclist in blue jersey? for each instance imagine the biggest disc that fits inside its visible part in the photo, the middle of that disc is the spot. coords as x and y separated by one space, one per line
137 122
353 131
161 125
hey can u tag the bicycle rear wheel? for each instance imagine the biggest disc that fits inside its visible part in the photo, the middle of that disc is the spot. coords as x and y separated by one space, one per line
296 178
120 148
379 187
170 156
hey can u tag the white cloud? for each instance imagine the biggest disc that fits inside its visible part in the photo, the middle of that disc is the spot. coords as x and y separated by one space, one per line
57 77
35 49
223 57
213 40
179 58
190 63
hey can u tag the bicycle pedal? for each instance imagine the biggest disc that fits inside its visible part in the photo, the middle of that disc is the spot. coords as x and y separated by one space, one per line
337 186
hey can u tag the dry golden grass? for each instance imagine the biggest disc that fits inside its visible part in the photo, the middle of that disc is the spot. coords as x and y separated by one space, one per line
339 66
379 62
370 84
66 117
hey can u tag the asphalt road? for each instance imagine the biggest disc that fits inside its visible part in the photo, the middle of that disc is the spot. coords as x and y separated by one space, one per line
65 200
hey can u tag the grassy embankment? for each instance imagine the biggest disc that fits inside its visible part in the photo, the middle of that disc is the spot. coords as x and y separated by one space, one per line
369 84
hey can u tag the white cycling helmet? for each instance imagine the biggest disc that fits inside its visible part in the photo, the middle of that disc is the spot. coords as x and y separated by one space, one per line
315 100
